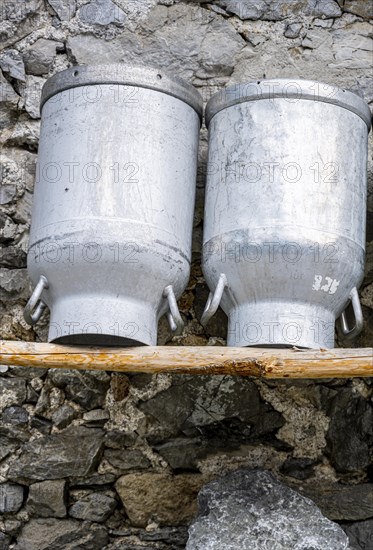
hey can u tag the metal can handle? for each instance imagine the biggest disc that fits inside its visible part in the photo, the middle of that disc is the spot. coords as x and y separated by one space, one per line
173 315
346 331
213 300
35 307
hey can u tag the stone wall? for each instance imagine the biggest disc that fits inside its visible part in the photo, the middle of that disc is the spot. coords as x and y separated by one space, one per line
98 460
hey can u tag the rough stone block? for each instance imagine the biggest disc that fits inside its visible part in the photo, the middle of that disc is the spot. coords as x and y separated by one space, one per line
47 499
93 507
72 452
165 499
54 534
11 498
251 509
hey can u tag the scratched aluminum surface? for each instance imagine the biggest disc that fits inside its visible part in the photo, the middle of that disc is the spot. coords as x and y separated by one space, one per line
285 212
113 208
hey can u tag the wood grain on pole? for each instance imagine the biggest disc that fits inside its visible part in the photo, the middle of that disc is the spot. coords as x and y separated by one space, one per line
258 362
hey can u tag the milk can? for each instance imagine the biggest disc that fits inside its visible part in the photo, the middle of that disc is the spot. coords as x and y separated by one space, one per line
284 229
110 241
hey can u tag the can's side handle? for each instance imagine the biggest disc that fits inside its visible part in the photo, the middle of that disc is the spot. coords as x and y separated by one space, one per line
346 331
173 315
213 301
35 306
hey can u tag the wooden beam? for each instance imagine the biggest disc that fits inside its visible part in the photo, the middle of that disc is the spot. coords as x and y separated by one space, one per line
258 362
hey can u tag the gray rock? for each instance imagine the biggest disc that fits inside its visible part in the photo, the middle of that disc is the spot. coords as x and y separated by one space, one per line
94 507
72 452
255 39
7 229
25 132
292 30
23 208
17 11
48 499
156 19
32 395
18 169
360 534
276 11
87 388
357 7
367 297
14 281
12 256
7 446
323 8
18 19
11 526
298 468
204 408
176 536
364 88
201 43
11 498
28 373
65 9
63 416
217 54
54 534
313 39
352 49
43 425
12 392
11 63
342 502
50 399
124 460
93 481
96 418
350 431
251 509
4 541
324 23
102 12
14 433
183 453
8 106
34 85
15 415
252 9
85 48
118 440
7 192
40 57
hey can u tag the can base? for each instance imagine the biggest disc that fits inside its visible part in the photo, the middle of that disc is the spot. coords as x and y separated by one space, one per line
265 324
100 321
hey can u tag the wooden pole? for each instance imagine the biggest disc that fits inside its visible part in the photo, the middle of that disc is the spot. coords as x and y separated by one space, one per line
258 362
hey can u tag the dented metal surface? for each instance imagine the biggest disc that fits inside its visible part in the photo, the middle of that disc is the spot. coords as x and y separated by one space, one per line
285 211
113 204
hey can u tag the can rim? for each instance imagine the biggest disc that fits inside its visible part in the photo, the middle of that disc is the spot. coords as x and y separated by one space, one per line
290 89
124 74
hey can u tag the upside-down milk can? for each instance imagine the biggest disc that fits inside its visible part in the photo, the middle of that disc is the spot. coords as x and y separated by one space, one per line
110 241
284 226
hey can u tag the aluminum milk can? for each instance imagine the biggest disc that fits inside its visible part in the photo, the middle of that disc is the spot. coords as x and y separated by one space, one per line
110 241
284 229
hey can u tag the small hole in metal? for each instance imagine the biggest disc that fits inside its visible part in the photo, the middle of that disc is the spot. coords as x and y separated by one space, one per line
159 76
76 73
